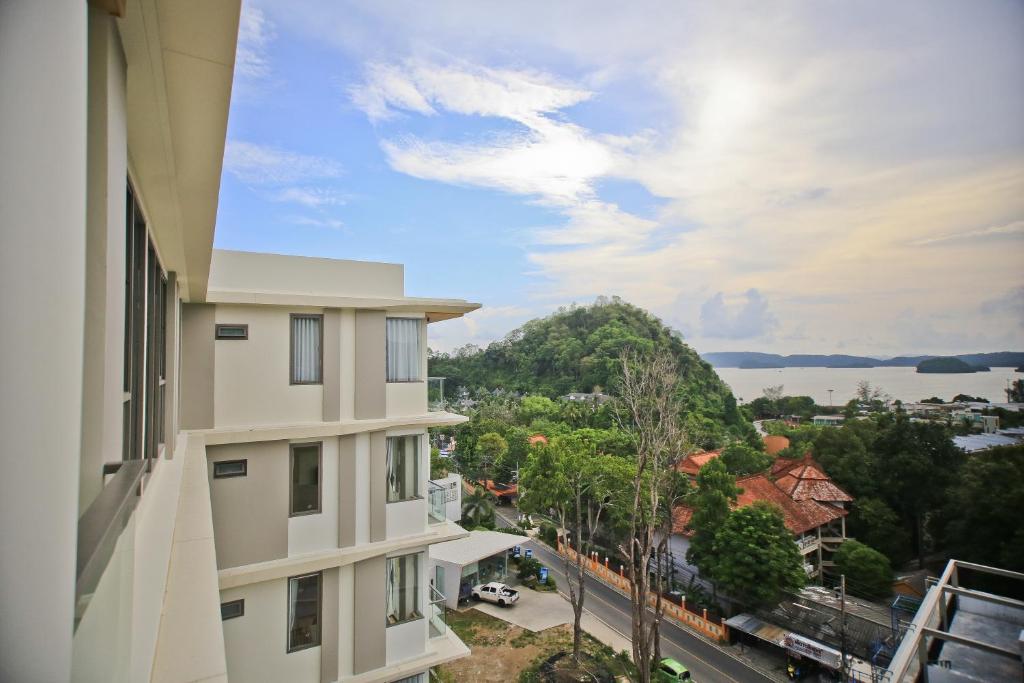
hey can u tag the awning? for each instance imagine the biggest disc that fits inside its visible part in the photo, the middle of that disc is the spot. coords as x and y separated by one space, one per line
478 545
748 623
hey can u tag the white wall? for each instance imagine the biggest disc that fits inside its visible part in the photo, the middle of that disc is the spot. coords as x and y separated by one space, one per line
410 517
408 640
363 488
307 533
42 275
252 377
256 643
346 619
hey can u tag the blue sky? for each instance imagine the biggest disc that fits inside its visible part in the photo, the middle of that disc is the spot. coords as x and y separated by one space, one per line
792 177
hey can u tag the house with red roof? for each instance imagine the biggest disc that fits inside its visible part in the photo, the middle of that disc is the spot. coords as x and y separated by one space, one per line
692 463
813 508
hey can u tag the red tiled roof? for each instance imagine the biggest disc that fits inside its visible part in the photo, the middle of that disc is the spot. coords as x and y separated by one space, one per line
692 463
775 443
804 479
798 515
537 438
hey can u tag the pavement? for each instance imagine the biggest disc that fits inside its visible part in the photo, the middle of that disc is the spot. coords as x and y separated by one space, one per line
608 612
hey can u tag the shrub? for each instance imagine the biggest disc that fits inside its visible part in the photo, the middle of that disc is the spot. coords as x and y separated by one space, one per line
528 568
548 534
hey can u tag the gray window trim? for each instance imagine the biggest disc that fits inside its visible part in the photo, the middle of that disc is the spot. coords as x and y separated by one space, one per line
231 337
319 478
243 473
291 347
319 612
231 603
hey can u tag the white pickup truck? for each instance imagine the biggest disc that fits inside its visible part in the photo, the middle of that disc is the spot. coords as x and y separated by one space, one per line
495 592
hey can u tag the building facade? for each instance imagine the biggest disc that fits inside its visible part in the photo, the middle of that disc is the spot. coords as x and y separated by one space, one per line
306 380
206 473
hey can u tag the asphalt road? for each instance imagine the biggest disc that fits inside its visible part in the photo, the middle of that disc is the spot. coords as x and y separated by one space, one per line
705 662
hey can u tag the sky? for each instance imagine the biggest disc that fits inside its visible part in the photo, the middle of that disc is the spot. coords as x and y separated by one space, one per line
805 177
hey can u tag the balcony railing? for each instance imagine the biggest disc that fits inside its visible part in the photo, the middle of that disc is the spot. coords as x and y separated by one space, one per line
435 503
807 543
438 614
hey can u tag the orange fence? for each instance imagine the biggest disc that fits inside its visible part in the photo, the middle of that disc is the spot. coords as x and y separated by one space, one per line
678 614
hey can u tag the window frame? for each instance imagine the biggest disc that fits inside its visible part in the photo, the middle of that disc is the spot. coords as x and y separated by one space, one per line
417 612
291 349
319 478
231 603
421 367
416 495
243 473
219 337
319 612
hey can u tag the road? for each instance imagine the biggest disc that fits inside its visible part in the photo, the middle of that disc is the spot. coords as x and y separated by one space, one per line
705 661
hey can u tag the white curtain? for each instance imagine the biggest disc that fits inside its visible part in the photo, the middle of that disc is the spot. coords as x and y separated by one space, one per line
306 350
403 349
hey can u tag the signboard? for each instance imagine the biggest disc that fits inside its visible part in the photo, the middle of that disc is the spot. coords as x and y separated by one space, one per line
805 647
543 574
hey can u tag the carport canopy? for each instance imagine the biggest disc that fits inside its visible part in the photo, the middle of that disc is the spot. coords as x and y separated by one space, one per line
479 545
748 623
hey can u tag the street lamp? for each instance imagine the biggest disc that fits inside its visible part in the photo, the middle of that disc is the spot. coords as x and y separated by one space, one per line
830 397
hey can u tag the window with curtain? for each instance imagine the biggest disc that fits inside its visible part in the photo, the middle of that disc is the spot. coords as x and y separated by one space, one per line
304 611
403 467
307 349
403 349
403 589
305 496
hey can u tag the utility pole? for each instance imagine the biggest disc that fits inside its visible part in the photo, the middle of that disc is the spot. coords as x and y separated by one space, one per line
830 397
842 625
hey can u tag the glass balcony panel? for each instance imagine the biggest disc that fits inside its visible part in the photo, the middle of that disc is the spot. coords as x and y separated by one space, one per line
438 615
436 503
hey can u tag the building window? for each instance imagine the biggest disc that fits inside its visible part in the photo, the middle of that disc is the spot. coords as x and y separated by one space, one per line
403 467
305 495
403 349
403 589
232 332
304 611
307 349
232 609
230 468
145 329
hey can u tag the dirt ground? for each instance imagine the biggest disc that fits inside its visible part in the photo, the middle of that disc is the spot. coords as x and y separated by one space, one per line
501 651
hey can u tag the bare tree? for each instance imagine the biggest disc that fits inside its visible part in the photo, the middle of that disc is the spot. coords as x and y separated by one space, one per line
650 409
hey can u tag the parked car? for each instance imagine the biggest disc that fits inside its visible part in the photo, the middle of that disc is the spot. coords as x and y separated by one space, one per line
671 671
495 592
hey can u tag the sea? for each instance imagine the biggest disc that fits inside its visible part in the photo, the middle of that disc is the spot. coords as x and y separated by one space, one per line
905 384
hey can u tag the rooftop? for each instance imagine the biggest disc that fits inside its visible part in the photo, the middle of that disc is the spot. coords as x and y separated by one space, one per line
475 547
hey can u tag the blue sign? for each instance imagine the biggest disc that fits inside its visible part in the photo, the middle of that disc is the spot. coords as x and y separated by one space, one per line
543 574
516 551
529 553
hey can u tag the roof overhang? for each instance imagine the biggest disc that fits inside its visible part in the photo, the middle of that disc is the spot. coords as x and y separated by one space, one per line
480 544
180 56
435 309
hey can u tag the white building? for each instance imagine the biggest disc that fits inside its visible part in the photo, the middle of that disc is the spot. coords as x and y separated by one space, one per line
191 437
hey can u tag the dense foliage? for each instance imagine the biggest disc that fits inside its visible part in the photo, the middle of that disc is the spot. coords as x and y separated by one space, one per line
577 349
868 573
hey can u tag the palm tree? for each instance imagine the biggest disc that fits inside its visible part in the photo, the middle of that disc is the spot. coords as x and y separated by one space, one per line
478 508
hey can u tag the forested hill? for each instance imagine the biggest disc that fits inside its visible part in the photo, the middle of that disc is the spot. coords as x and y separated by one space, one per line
577 349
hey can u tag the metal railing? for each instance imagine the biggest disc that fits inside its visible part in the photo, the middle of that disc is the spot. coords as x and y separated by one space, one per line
435 503
438 613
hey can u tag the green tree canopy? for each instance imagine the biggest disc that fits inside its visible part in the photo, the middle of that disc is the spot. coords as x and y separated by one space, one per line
879 526
741 460
868 572
757 560
711 502
491 448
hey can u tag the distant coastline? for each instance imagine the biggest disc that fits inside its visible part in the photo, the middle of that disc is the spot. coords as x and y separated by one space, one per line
751 360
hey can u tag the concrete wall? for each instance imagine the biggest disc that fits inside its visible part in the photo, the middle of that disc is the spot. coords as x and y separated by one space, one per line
370 398
319 531
251 272
102 390
369 618
256 644
198 366
252 377
42 276
250 513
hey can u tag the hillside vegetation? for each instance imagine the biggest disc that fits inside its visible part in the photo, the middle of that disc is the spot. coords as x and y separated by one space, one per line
576 350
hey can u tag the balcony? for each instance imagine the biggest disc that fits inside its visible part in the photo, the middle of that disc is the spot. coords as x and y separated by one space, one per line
437 613
807 544
435 503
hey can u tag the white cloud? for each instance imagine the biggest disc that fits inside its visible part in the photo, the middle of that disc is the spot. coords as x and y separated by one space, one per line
311 197
1013 228
266 165
255 32
744 317
329 223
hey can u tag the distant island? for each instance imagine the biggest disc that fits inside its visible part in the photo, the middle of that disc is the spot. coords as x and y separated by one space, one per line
948 365
751 360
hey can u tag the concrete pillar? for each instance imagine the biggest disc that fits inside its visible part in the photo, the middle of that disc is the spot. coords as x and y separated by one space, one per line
43 56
